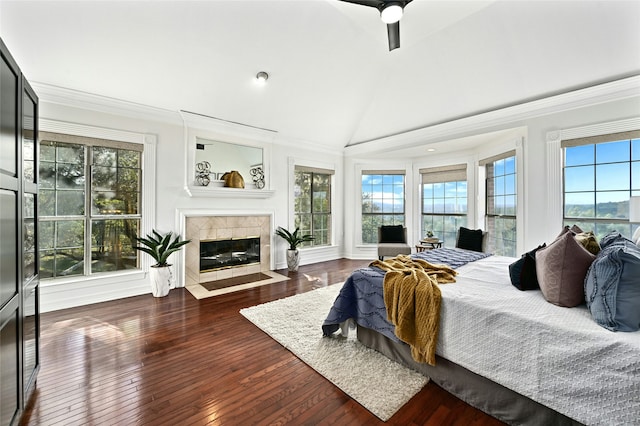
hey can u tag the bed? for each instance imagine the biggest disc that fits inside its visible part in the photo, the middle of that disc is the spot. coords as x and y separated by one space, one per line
507 352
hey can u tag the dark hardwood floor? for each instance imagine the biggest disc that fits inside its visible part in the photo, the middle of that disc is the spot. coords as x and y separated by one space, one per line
181 361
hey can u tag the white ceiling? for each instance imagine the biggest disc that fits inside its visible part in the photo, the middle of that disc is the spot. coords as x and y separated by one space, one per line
332 80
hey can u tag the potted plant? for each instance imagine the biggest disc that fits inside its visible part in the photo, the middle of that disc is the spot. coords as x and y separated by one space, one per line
159 247
429 238
294 239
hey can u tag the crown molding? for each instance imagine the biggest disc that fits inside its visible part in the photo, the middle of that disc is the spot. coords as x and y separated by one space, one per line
598 94
89 101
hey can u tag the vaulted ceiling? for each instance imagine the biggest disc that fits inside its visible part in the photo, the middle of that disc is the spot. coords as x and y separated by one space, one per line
332 80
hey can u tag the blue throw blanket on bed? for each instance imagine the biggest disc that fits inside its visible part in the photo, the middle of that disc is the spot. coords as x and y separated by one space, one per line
361 297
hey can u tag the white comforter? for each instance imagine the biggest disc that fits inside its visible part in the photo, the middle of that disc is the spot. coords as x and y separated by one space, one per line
557 356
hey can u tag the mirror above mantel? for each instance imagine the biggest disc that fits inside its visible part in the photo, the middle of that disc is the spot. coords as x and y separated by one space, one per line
215 147
221 157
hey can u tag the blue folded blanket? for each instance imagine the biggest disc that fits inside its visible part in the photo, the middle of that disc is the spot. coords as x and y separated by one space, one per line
361 297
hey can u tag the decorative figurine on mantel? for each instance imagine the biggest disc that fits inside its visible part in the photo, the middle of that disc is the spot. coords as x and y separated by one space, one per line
233 179
203 169
257 174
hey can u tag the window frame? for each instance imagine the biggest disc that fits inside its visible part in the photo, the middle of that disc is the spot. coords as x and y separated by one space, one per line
555 201
329 215
595 223
492 236
147 185
393 214
445 175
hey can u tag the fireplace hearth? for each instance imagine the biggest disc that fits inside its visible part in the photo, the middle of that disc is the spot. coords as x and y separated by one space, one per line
229 253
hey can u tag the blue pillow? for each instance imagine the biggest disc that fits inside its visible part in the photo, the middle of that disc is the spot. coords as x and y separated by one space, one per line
612 285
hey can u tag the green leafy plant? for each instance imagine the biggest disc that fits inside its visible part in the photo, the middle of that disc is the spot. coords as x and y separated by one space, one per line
293 238
159 246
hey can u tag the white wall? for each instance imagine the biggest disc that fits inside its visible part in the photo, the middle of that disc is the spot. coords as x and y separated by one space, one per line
537 225
170 188
603 106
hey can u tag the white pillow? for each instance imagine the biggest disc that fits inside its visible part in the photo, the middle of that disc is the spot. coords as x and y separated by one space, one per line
636 237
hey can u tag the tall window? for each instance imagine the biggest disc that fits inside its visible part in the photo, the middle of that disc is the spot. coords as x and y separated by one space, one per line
312 195
444 201
89 205
382 202
500 217
600 174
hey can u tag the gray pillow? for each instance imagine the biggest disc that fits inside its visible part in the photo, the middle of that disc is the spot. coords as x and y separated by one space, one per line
636 237
561 268
612 285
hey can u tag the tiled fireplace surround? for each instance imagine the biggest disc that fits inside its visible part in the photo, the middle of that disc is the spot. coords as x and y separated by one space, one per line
219 227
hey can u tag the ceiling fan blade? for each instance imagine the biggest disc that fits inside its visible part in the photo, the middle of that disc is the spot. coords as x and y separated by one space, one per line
373 3
393 32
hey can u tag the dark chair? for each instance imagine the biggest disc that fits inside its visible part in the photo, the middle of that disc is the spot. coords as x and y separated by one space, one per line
471 239
392 241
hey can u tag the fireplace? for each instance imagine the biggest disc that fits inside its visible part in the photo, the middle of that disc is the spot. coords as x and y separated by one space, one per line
229 253
202 225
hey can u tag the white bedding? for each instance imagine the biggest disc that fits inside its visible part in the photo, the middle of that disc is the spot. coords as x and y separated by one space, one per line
557 356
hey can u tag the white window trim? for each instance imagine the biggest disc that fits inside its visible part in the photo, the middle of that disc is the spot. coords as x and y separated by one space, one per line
409 215
147 220
517 145
291 214
555 188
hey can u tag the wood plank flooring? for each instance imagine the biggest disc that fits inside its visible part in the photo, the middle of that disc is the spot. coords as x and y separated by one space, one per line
181 361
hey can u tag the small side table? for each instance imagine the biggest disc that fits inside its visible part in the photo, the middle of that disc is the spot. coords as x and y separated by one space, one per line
428 245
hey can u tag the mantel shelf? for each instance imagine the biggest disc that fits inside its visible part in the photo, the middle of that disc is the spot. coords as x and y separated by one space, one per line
222 192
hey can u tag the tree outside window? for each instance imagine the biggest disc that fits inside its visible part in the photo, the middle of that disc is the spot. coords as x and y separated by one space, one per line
383 202
312 200
89 207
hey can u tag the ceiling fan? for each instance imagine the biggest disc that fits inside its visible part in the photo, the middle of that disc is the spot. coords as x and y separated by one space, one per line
390 13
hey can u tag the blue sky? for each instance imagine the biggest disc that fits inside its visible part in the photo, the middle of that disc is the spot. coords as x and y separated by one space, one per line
602 168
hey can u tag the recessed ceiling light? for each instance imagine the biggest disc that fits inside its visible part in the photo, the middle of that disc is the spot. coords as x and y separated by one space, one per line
430 149
262 77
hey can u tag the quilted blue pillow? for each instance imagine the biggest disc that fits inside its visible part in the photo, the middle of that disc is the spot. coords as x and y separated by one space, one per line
612 285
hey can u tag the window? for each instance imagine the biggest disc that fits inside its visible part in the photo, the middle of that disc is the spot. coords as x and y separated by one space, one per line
382 202
89 205
600 174
444 201
500 217
312 209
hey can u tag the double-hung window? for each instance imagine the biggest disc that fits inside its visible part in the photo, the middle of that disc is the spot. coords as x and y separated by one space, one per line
89 205
383 201
600 174
312 200
444 201
501 203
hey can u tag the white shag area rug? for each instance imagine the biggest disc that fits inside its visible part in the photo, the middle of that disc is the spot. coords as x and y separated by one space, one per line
380 385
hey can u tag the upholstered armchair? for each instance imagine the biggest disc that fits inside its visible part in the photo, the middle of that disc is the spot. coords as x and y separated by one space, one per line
392 241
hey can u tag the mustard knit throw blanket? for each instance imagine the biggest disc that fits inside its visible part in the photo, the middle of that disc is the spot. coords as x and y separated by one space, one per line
412 298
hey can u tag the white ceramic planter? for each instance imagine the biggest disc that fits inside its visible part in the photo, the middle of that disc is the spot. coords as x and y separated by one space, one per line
293 259
161 280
